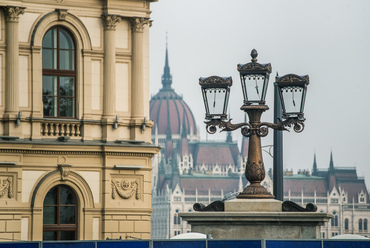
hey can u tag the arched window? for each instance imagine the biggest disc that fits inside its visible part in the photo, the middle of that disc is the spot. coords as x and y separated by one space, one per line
60 214
360 224
334 220
365 224
177 218
346 224
59 74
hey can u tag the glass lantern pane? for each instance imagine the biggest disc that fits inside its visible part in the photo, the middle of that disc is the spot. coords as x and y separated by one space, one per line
216 100
254 88
292 97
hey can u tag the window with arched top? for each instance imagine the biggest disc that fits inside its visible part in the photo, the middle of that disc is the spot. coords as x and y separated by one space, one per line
60 210
59 73
176 218
334 220
360 224
346 224
365 224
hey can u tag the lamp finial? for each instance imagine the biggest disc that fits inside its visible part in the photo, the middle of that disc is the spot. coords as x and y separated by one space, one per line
254 55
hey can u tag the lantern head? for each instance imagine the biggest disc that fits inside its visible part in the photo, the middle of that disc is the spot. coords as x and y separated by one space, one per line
216 92
254 78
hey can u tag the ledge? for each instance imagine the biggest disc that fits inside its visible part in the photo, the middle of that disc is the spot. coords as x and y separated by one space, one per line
7 163
128 167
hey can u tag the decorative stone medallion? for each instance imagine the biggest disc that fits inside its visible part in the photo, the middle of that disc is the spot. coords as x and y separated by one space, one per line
125 188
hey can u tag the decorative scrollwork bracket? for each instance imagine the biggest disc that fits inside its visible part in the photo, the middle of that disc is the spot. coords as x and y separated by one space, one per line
289 206
261 129
218 206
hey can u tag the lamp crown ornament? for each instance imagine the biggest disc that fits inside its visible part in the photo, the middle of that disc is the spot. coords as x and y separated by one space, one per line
254 55
254 79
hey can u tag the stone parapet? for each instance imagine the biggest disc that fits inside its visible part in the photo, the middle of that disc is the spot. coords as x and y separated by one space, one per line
257 219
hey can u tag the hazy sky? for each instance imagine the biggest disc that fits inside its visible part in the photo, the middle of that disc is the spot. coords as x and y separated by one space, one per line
328 40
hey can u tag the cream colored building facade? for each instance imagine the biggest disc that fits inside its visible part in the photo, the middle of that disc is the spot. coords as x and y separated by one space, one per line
75 139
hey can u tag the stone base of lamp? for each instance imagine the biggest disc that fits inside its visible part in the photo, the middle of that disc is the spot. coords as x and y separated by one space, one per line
255 191
256 219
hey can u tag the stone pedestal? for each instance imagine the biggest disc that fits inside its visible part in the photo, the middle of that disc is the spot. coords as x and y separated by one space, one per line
256 219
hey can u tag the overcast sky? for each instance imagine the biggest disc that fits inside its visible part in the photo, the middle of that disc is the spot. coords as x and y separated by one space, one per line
328 40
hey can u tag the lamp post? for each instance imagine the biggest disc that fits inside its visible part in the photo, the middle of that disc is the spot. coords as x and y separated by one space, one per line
254 79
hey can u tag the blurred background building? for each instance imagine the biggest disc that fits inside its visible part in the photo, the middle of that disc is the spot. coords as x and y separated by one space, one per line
335 190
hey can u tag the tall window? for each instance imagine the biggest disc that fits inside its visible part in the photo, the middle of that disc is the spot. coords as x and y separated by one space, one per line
334 220
58 74
365 224
360 224
176 218
60 214
346 224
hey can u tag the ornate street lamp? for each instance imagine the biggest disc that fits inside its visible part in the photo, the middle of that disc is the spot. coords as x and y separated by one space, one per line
254 78
216 92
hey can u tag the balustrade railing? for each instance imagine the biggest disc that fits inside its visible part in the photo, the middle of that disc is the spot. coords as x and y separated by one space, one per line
61 128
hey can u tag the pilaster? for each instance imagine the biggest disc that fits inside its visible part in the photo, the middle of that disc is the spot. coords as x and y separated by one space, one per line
137 79
137 85
109 82
12 14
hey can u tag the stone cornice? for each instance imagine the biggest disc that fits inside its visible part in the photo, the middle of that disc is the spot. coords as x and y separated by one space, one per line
48 152
110 21
137 23
12 13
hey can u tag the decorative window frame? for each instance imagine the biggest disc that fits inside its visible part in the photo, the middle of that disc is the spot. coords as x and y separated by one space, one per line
83 42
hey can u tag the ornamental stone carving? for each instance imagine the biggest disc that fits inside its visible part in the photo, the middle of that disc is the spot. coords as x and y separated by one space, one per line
62 13
65 169
137 23
110 21
12 13
126 188
7 187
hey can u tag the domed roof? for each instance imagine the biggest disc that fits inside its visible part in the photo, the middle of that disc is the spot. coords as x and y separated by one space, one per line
168 110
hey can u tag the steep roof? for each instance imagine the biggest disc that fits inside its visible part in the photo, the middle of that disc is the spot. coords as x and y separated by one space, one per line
204 183
344 178
221 153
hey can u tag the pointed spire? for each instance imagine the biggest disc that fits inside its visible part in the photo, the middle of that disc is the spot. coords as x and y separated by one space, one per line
331 164
314 167
166 77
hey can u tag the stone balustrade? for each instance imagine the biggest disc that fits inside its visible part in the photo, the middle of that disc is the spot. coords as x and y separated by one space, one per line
58 128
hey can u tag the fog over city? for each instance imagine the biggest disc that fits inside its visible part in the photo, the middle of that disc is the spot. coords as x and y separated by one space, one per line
328 40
